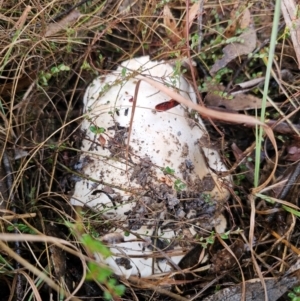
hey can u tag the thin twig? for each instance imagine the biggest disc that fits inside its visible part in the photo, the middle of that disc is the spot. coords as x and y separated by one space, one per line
136 92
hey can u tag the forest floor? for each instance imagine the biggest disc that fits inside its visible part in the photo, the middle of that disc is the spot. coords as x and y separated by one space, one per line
51 51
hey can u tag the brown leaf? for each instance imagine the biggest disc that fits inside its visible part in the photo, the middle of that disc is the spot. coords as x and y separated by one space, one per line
239 19
236 49
235 100
170 24
102 140
239 102
230 30
245 19
193 12
64 23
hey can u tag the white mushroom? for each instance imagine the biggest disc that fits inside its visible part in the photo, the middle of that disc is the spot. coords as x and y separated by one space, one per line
137 185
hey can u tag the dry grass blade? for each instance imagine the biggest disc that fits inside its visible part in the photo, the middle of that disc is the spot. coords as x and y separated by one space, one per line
63 244
20 23
251 244
156 288
18 216
243 297
33 286
34 270
286 242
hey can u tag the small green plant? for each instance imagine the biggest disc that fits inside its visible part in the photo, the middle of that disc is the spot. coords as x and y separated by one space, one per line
175 78
97 130
59 146
169 171
207 198
295 294
21 227
95 245
123 72
224 71
101 273
70 34
44 77
239 178
179 186
207 240
97 271
235 40
225 95
225 235
86 66
195 40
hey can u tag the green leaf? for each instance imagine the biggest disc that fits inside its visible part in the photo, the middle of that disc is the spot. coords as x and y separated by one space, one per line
111 283
21 227
291 295
168 170
97 130
63 67
225 235
54 70
107 295
272 201
123 72
119 290
210 239
97 272
296 289
95 245
291 210
179 185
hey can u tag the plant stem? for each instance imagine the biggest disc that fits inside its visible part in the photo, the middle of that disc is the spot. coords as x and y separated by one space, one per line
266 87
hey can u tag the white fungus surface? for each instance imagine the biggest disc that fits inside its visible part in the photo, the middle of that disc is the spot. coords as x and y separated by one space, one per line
140 181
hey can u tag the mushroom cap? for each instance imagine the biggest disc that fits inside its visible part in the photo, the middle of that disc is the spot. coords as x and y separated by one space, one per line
168 139
135 159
